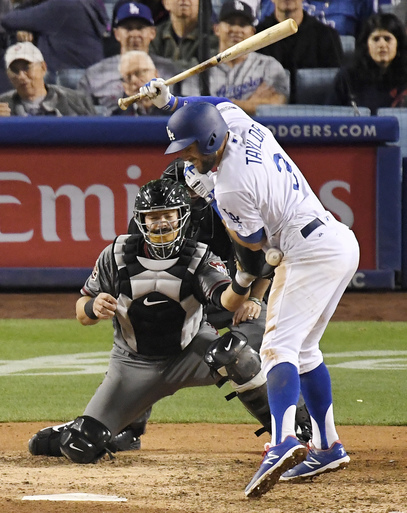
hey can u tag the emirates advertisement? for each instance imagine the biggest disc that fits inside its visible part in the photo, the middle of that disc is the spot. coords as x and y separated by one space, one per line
60 206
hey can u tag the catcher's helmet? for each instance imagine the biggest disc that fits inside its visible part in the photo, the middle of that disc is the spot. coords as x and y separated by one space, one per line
200 122
158 195
175 171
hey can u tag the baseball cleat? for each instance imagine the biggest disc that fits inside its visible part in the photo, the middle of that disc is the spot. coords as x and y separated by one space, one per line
46 441
126 440
319 461
278 459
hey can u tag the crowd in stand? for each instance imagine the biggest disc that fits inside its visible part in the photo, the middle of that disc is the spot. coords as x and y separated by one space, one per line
112 49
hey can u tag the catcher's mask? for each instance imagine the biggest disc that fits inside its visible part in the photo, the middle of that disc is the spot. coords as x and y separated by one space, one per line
162 211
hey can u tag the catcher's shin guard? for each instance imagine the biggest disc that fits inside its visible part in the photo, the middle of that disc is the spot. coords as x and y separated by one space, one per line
85 440
233 359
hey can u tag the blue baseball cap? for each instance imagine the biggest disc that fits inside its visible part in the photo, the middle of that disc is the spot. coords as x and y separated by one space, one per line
134 10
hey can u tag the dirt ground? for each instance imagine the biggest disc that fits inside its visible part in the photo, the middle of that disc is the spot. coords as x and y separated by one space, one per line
202 468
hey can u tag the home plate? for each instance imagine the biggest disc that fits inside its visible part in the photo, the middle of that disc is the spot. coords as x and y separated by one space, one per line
75 497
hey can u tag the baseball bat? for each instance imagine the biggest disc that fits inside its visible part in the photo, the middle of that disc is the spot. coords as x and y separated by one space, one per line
251 44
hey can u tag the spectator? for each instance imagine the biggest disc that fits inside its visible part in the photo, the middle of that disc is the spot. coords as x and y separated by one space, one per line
178 37
26 69
69 33
134 29
346 16
5 7
315 45
158 10
252 79
254 4
377 76
137 67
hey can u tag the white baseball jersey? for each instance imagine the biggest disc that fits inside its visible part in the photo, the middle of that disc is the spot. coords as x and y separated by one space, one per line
257 184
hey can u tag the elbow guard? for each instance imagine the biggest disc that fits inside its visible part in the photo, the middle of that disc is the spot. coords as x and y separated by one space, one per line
253 262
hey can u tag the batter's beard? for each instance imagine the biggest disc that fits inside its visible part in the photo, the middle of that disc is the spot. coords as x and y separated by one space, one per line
207 163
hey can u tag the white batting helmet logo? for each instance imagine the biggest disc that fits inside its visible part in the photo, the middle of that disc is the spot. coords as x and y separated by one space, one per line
171 136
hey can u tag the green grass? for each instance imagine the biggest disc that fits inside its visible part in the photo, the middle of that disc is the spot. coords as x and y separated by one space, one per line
373 393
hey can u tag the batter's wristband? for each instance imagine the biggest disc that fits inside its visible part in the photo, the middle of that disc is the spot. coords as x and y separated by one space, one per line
255 300
89 309
170 104
238 289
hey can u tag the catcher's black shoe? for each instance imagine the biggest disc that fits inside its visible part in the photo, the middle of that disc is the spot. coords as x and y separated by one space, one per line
47 441
126 440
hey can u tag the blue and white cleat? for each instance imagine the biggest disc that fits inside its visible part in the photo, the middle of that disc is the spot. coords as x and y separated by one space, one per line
278 459
319 461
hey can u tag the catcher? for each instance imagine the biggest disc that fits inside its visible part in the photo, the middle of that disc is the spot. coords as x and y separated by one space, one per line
147 283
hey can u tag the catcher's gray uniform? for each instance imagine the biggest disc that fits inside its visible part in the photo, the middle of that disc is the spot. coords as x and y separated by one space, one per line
160 335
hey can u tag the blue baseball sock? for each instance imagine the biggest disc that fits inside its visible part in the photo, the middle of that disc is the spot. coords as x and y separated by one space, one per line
316 389
283 387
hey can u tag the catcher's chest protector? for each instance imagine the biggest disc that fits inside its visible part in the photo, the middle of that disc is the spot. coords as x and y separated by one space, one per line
158 312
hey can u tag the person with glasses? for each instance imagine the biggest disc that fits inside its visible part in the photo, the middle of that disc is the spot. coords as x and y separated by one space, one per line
135 68
30 95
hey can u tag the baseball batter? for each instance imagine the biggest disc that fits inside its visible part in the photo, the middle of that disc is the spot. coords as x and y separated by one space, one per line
154 287
265 201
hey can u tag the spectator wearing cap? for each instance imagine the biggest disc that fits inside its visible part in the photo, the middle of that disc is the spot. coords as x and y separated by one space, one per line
252 79
178 37
133 28
68 33
137 68
26 69
315 45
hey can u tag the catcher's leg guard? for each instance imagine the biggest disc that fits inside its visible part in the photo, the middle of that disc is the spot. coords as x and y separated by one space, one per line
233 359
85 440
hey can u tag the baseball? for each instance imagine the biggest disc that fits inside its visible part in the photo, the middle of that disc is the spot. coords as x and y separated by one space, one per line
274 256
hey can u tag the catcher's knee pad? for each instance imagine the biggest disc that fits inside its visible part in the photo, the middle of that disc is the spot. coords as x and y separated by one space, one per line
232 358
85 440
47 441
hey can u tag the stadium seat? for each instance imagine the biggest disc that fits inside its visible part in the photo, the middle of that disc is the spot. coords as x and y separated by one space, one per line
69 77
310 110
313 85
401 114
348 47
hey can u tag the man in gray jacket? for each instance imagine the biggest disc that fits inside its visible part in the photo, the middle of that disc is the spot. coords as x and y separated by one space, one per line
26 69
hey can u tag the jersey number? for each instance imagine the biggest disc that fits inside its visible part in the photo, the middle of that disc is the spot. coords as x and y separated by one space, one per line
277 157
